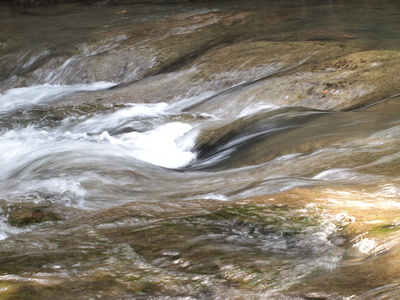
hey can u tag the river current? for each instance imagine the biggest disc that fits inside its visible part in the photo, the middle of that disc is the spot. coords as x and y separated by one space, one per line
107 192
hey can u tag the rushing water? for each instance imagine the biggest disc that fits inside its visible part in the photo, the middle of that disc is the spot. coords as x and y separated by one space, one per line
137 209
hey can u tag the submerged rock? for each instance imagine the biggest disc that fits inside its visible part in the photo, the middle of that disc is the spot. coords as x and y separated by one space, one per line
300 243
368 232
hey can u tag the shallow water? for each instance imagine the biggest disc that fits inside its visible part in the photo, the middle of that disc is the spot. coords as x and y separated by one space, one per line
117 200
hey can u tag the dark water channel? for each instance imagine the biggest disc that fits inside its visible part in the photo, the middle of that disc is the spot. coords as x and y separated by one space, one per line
146 152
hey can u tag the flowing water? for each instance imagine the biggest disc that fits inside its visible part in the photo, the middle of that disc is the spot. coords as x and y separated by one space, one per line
115 199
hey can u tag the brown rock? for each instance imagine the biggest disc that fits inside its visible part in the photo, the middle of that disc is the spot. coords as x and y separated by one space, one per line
23 215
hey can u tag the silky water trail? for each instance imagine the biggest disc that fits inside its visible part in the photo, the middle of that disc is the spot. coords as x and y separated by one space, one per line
115 200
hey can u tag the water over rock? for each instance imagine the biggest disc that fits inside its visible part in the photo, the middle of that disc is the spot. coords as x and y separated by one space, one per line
273 109
223 68
297 244
231 80
131 53
351 81
304 133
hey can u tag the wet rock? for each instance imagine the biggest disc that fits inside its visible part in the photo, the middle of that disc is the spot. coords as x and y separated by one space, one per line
228 244
8 289
368 237
229 80
272 133
214 52
369 233
22 216
352 81
226 67
248 248
146 49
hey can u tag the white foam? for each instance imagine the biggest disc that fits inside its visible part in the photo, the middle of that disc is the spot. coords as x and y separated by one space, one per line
366 245
68 163
119 117
211 196
341 174
185 103
166 145
253 109
46 93
5 229
163 146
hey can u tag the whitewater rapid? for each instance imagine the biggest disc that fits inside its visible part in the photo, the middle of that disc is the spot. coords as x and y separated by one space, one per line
64 160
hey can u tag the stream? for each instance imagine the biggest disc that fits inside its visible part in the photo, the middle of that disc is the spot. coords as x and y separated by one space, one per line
156 151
